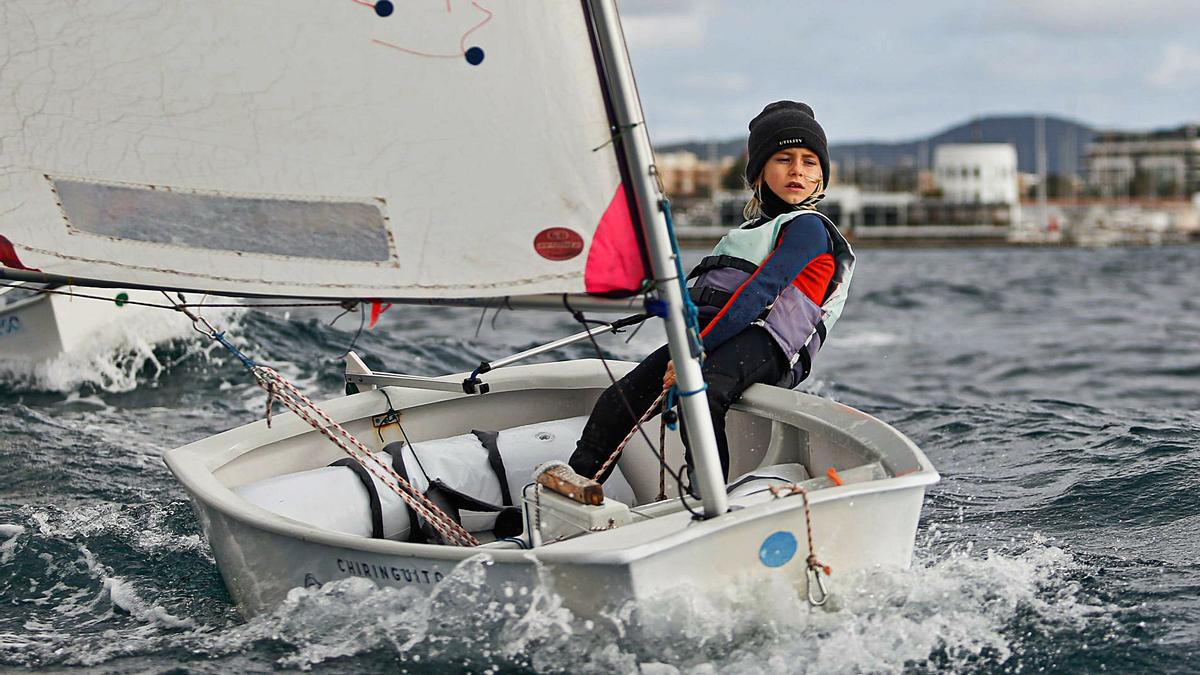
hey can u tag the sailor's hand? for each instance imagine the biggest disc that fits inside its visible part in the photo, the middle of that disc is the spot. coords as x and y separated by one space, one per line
669 376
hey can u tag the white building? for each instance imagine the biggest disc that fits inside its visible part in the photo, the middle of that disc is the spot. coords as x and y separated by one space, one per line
977 173
851 207
1156 164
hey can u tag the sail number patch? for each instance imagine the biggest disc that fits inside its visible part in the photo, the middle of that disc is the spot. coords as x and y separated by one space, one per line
9 325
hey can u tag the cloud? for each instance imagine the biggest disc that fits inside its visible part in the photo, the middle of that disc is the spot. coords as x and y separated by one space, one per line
1179 67
667 24
721 83
882 70
1094 17
658 7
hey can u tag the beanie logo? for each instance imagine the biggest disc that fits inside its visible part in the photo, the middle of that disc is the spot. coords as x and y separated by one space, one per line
790 141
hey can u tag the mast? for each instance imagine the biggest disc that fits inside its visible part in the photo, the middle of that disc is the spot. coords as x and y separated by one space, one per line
639 160
1043 177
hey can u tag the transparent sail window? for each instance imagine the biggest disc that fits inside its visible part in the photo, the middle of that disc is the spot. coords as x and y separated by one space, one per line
328 230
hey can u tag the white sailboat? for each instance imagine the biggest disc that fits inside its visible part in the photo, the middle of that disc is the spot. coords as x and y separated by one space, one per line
480 153
37 325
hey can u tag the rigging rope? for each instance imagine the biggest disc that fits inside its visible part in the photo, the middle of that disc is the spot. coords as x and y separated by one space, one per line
285 392
629 436
280 389
662 453
177 306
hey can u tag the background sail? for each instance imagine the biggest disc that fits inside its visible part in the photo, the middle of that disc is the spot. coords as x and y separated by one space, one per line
426 148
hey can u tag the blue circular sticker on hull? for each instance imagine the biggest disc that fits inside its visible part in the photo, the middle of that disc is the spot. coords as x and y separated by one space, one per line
777 549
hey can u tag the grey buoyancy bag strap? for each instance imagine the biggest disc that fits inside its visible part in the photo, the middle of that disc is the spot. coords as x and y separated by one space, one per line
508 518
419 527
451 501
372 493
488 440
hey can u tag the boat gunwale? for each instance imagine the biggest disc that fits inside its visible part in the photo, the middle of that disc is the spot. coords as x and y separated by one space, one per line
18 305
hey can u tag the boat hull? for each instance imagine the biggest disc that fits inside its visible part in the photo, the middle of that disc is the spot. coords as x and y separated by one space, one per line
863 525
260 567
43 327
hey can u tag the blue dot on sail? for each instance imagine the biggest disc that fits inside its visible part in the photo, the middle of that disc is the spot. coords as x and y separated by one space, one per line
384 8
777 549
474 56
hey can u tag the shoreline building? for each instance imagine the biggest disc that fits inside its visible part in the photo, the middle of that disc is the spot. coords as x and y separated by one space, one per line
1154 164
972 194
977 183
685 175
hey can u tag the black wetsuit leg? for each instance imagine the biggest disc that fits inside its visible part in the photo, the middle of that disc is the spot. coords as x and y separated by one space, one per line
610 419
750 357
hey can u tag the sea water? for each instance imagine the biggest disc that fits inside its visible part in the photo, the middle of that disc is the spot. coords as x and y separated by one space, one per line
1055 390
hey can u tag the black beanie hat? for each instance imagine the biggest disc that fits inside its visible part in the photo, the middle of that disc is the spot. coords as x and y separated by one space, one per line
782 125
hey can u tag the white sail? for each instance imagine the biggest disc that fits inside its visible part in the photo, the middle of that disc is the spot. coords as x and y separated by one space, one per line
314 148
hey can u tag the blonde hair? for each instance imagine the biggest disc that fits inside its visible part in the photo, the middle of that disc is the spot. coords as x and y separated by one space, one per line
753 208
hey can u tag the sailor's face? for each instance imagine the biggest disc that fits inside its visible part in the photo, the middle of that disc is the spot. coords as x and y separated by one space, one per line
793 174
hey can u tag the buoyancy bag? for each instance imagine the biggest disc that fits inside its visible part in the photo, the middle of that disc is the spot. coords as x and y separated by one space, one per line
343 497
476 478
490 469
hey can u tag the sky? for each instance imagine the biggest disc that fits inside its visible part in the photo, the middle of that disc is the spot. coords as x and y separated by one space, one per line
893 71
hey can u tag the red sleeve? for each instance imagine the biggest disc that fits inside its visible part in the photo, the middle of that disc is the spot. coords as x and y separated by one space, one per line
815 278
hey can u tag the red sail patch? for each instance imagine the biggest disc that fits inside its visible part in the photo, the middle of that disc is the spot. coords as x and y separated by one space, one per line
558 243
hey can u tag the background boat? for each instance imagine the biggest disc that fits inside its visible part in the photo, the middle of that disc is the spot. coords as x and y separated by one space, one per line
41 326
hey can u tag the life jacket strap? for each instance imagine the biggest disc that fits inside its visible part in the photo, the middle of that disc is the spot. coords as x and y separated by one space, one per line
712 262
709 296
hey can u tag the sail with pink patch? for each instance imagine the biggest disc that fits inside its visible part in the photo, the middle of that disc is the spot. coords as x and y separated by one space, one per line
316 148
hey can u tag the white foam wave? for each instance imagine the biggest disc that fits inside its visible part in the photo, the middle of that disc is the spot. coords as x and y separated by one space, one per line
961 610
115 354
147 531
10 533
957 612
867 338
88 615
124 595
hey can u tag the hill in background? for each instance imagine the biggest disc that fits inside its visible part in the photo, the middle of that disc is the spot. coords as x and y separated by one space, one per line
1065 144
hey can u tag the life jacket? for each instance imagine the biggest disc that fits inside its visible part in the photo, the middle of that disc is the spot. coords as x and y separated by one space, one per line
798 325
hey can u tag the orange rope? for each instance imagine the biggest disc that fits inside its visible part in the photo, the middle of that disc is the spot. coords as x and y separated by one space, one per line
793 489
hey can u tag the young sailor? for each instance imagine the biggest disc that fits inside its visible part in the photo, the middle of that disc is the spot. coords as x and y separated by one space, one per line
767 295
